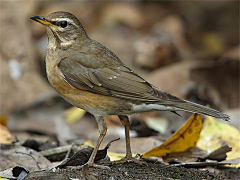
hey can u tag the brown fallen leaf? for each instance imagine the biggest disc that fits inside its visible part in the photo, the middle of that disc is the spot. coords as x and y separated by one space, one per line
81 157
195 154
184 138
219 154
192 154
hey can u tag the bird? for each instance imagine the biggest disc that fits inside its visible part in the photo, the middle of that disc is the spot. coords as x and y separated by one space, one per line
90 76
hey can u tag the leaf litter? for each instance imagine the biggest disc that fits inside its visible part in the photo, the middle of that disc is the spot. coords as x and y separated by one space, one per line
178 151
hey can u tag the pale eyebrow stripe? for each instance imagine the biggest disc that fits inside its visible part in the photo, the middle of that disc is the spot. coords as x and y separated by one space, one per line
64 19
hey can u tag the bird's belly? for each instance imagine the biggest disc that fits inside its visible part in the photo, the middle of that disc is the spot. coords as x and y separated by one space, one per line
98 104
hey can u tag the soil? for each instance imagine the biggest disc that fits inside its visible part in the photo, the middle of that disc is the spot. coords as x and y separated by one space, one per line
152 171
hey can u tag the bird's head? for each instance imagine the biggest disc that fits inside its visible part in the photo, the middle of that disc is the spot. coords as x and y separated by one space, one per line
63 29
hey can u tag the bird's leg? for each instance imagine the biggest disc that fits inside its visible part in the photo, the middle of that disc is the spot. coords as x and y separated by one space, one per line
125 122
102 127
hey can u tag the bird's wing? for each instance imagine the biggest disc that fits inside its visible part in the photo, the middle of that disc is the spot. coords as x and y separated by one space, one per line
111 77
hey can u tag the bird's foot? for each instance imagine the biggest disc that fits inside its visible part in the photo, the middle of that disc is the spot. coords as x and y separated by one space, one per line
87 175
129 158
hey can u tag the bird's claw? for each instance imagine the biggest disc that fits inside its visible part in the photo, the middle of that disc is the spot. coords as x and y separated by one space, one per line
130 158
101 167
87 175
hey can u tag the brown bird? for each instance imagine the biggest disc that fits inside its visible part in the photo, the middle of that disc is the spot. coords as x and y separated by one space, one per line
90 76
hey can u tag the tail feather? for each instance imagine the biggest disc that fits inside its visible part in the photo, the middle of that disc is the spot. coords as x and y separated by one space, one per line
200 109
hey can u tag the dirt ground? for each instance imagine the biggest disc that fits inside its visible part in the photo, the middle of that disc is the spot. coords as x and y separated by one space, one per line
153 171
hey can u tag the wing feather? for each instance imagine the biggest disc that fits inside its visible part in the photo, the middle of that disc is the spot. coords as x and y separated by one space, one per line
107 75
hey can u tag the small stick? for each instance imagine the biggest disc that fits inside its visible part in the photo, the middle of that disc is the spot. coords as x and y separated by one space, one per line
31 157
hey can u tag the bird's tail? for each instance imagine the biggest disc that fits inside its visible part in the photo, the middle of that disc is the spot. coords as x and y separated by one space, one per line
200 109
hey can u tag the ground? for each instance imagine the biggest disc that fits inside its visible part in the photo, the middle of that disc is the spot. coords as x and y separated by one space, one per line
152 171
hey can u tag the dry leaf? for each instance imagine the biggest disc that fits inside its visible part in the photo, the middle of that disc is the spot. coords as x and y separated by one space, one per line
213 43
216 134
158 124
73 114
184 138
5 135
3 119
115 156
88 142
112 155
16 155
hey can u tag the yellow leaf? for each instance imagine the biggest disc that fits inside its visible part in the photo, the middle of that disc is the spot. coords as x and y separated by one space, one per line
115 156
184 138
3 119
112 155
215 134
213 43
5 135
73 114
88 142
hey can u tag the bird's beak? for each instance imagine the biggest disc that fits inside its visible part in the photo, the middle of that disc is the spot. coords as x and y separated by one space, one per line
41 20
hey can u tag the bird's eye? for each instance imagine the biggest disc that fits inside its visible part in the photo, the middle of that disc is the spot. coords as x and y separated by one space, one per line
63 24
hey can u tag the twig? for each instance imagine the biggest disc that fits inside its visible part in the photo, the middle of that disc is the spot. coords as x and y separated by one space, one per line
31 157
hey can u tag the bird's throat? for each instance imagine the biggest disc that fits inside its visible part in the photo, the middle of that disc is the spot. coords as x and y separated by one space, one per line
56 41
52 42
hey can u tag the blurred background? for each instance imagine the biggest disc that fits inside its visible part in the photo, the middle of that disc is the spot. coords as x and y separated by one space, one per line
187 48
